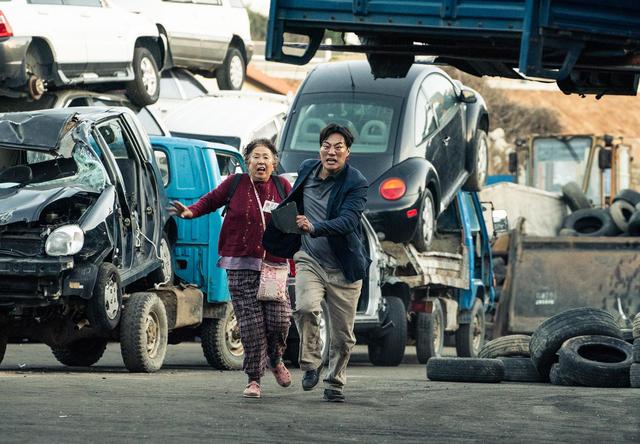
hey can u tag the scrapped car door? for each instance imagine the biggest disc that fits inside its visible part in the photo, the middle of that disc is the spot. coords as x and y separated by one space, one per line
107 34
449 115
55 22
216 26
427 134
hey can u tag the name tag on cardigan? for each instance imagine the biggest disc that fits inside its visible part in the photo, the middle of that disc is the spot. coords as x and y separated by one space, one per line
269 206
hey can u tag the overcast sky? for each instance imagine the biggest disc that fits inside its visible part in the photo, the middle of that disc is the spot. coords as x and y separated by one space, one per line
261 6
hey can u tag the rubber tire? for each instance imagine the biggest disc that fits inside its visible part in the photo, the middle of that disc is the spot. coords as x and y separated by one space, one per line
506 346
574 197
547 339
81 353
214 342
636 350
634 224
634 376
3 345
158 276
136 90
419 240
388 351
518 369
596 219
621 212
558 378
627 335
635 326
627 195
475 182
589 361
133 335
223 73
465 333
465 370
426 323
96 313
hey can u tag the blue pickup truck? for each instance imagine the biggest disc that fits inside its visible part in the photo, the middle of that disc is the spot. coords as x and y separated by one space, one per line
587 47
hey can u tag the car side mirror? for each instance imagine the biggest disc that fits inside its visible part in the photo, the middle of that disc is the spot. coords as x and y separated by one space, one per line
500 221
513 162
468 96
604 159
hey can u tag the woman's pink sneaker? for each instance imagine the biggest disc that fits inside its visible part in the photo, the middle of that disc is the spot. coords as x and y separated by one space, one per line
283 377
252 390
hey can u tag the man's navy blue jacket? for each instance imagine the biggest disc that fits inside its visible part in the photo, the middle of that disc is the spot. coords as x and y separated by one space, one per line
342 227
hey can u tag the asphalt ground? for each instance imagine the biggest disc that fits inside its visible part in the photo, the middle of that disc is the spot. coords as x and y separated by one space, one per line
42 401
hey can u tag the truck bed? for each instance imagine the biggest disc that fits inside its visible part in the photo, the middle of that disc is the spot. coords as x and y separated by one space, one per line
562 40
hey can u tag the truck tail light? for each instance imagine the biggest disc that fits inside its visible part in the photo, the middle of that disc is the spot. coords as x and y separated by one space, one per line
393 188
5 27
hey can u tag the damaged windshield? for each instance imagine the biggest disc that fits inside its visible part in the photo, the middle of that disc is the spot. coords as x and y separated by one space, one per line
75 163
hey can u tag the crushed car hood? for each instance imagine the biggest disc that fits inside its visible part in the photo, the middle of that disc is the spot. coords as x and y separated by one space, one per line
34 130
25 205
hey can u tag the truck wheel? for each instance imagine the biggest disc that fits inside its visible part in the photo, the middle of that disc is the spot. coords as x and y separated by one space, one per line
388 351
425 231
547 339
165 273
232 73
105 306
81 353
144 89
470 337
506 346
429 333
478 161
3 345
144 333
221 342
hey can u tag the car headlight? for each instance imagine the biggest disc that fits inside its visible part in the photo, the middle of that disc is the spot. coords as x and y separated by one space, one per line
65 241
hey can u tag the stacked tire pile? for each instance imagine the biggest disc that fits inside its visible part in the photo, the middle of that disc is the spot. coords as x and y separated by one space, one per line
621 218
578 347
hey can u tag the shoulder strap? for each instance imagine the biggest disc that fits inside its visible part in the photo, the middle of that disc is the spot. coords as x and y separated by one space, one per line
279 186
232 189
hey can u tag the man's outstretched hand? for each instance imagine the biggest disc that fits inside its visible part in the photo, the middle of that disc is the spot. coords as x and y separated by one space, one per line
180 210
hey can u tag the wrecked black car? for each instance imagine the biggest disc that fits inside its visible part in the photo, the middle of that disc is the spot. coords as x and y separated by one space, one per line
82 220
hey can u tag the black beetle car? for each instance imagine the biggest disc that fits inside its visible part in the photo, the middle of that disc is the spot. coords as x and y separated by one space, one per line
418 140
82 218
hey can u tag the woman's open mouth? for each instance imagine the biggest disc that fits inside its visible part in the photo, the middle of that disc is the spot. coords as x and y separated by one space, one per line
261 169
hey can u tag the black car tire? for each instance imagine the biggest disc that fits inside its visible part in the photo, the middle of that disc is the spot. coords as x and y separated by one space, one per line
596 361
144 89
574 197
3 344
621 212
388 351
81 353
144 333
429 333
635 326
506 346
627 335
478 161
104 309
634 376
627 195
591 222
556 377
221 343
636 350
547 339
518 369
465 370
426 224
233 72
634 224
470 337
166 273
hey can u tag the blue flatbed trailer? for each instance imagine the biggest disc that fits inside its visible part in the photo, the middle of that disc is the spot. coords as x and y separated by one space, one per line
586 46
